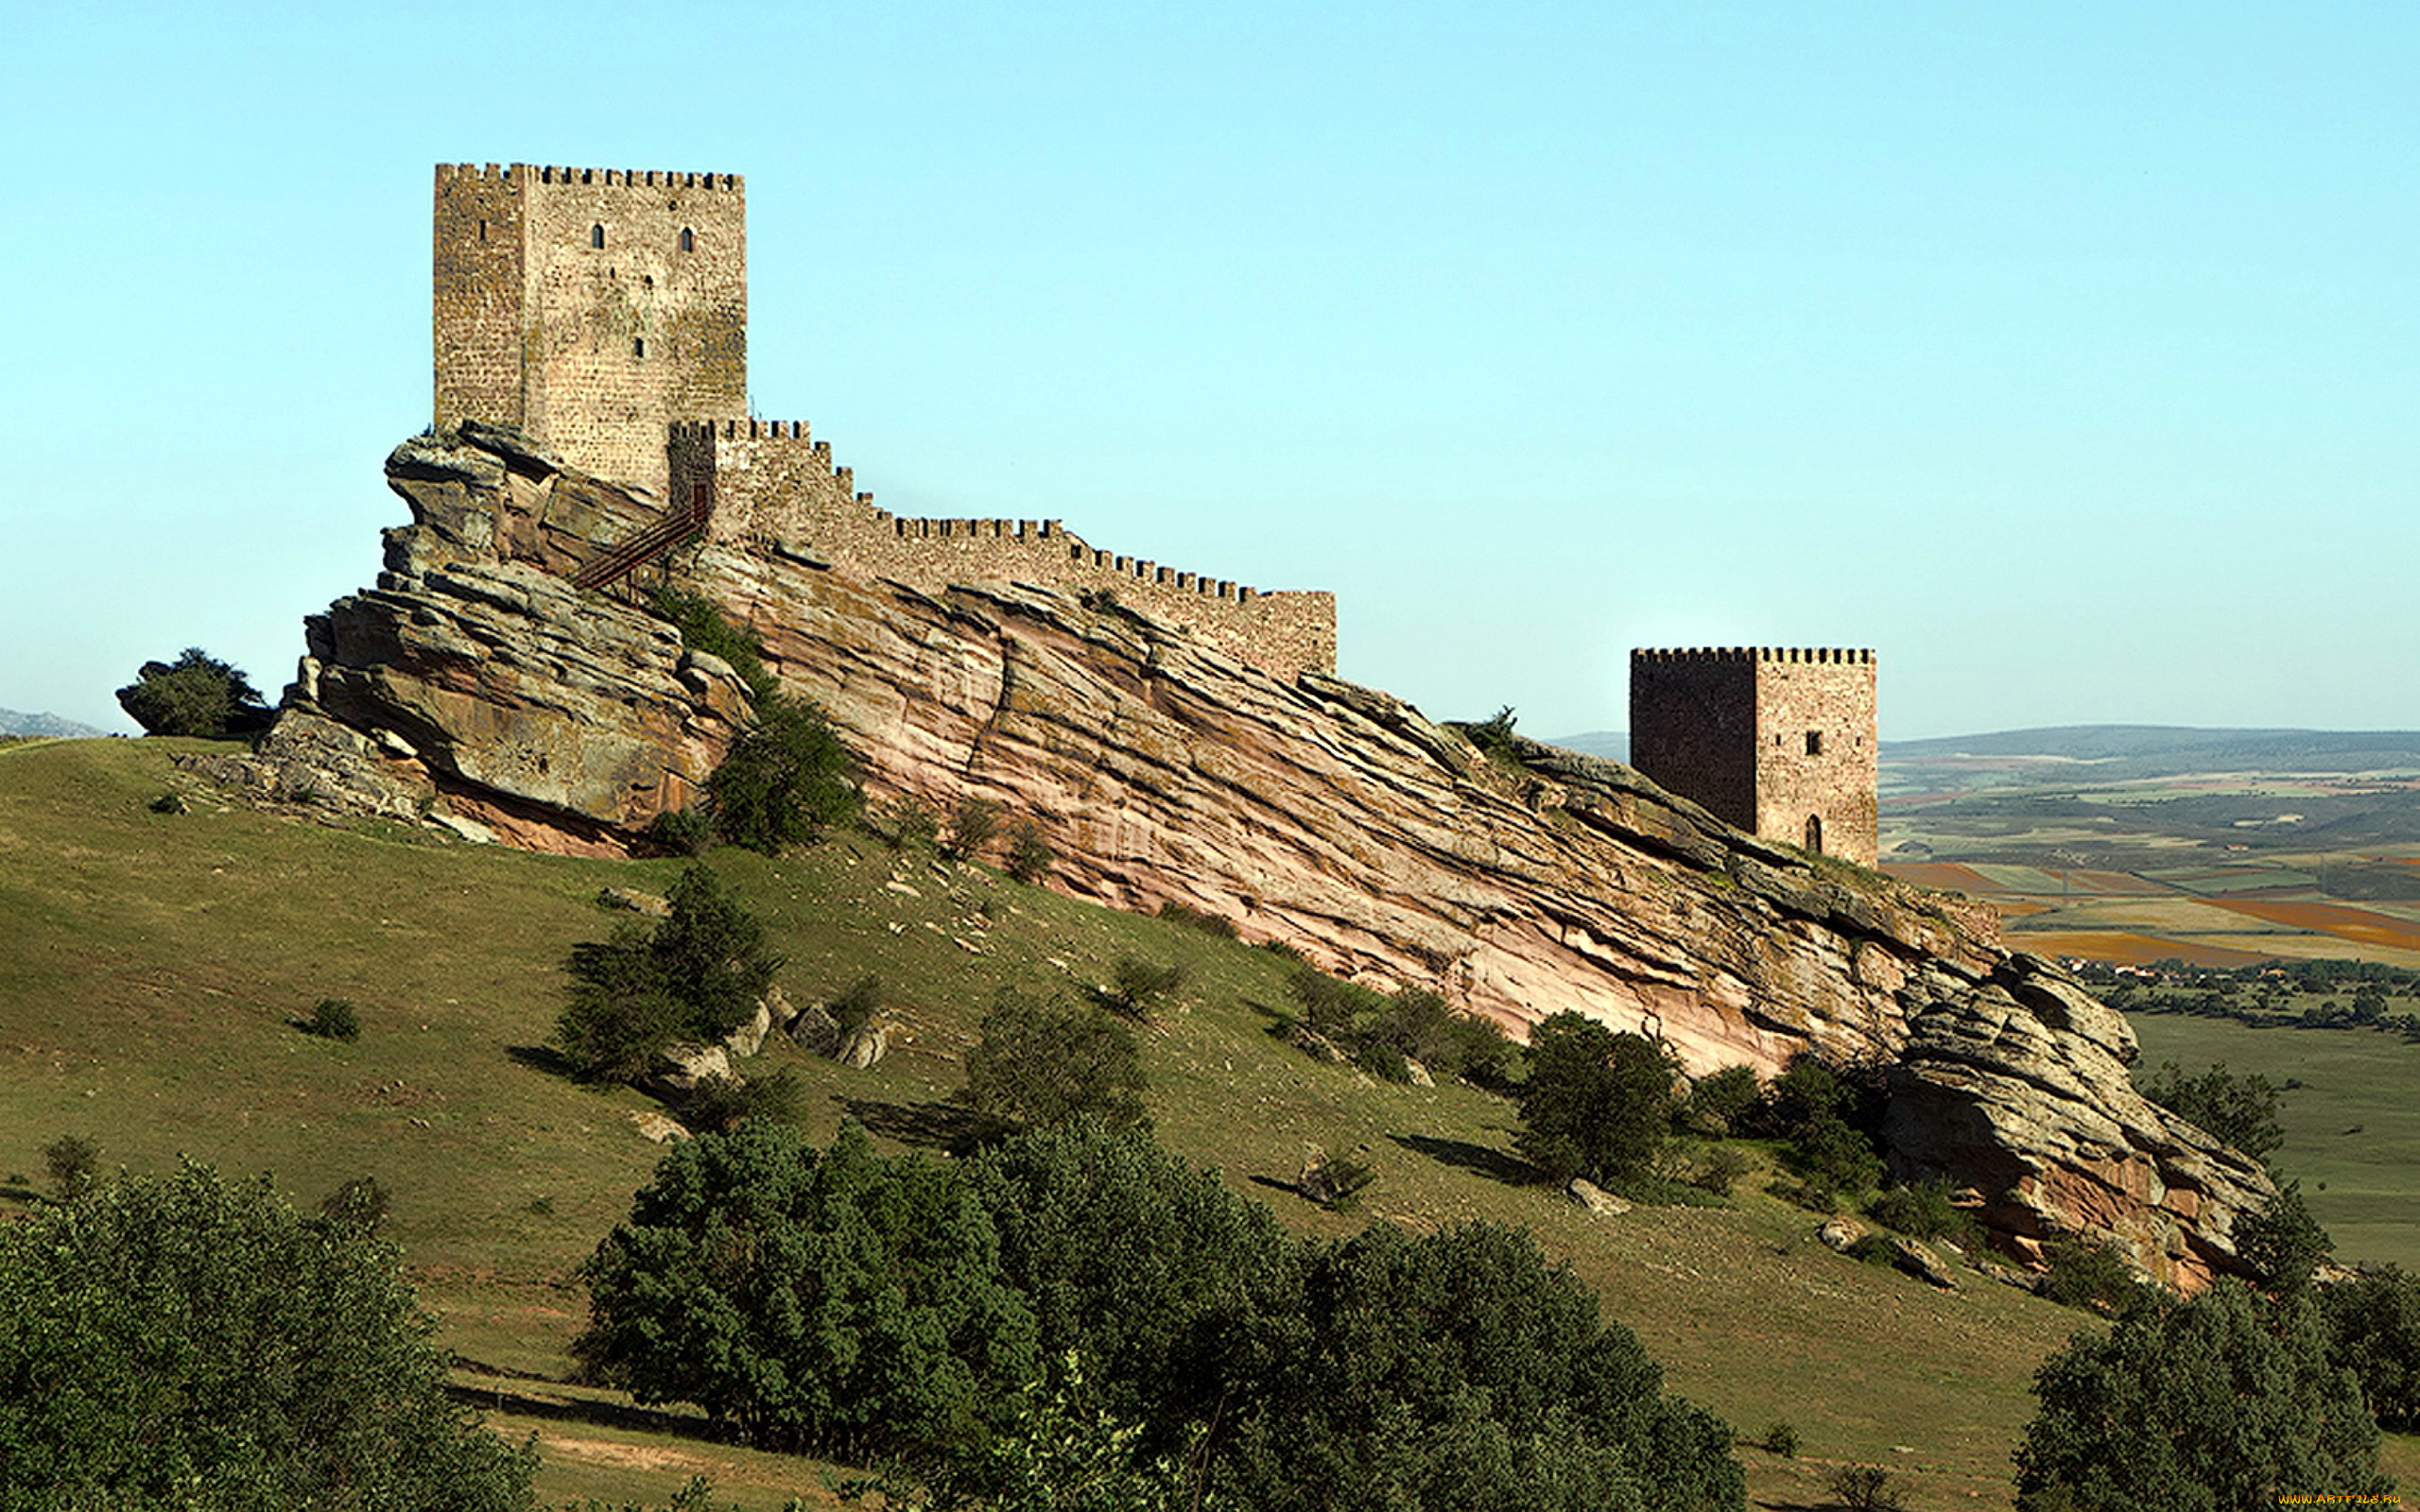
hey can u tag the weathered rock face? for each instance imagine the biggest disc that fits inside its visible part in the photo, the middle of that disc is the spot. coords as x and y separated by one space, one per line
1330 816
557 718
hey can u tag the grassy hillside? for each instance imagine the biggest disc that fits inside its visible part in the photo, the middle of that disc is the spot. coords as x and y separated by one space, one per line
153 962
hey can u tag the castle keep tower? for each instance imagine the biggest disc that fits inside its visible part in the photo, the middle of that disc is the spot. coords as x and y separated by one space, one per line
591 307
1780 742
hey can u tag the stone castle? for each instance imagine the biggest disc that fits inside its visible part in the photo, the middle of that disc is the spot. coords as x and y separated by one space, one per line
604 312
1779 740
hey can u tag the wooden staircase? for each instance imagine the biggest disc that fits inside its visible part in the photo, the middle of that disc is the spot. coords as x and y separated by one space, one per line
650 544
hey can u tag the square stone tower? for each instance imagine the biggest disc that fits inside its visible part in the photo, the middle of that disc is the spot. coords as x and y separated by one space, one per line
591 307
1779 740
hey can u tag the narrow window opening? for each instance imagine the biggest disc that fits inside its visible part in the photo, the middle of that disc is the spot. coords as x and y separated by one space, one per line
638 346
1815 834
1814 743
688 240
697 495
649 280
483 231
596 236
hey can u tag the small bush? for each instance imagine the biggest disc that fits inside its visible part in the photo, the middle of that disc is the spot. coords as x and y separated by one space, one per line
1925 1211
72 1160
682 831
1384 1061
1597 1104
1720 1171
971 826
785 781
718 1104
1193 919
907 823
855 1007
1330 1004
1043 1065
1865 1488
1716 1100
1029 855
2241 1110
1782 1440
1494 737
2283 1243
2089 1273
698 975
360 1205
1136 985
195 695
333 1018
703 629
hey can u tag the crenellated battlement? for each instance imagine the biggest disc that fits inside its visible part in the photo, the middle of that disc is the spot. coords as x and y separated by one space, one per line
604 311
614 178
1838 654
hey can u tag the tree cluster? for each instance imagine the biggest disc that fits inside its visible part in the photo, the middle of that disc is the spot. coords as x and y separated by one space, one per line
839 1299
696 976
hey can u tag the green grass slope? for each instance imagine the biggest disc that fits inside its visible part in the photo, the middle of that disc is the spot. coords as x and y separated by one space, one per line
151 965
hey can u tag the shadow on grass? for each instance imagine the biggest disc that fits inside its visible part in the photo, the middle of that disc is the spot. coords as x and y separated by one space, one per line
543 1058
951 1126
1479 1160
621 1415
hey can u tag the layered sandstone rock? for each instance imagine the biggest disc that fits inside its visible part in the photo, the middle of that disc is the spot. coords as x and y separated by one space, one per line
1328 816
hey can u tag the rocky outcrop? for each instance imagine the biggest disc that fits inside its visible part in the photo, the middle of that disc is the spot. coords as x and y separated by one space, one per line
1329 817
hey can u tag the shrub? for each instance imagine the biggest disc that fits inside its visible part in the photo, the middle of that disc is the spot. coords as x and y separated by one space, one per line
1782 1440
1460 1368
1721 1170
1029 855
2373 1331
1330 1004
2210 1405
1864 1489
168 1335
2282 1242
703 627
971 826
72 1161
785 781
2091 1272
1925 1211
1596 1103
831 1297
1716 1100
195 695
1193 919
682 831
855 1007
2241 1110
360 1206
333 1018
907 823
1042 1065
719 1103
1494 736
698 975
1384 1061
1136 985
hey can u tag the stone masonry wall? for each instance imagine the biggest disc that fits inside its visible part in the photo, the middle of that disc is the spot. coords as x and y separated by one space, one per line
1824 698
770 483
1693 728
1766 738
604 345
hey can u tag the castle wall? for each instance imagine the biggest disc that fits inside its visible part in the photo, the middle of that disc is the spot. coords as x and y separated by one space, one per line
478 294
1827 694
771 483
613 342
1693 728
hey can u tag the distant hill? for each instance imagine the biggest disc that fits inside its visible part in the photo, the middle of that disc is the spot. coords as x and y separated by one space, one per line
1612 745
13 723
2120 751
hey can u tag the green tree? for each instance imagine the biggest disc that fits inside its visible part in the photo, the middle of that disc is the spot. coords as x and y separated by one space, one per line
697 975
184 1340
1596 1103
2212 1405
785 780
2374 1331
2282 1242
1460 1368
2241 1110
71 1159
1042 1064
831 1297
195 695
1153 1271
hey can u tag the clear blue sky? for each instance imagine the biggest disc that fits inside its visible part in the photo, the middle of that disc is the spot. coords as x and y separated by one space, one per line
2066 354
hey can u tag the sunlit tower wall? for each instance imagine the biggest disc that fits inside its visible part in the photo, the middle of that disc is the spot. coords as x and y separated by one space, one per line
591 307
1780 741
